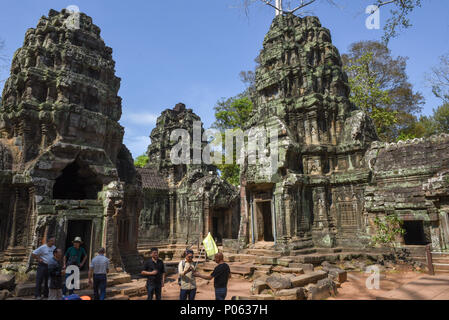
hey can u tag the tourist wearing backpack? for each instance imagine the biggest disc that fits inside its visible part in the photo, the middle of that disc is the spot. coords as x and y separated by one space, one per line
186 279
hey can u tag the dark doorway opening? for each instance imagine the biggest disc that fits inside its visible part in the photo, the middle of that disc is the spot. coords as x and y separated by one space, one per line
264 222
83 229
76 183
414 233
215 231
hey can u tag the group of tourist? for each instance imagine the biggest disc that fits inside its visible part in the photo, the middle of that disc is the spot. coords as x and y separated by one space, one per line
52 265
52 275
154 270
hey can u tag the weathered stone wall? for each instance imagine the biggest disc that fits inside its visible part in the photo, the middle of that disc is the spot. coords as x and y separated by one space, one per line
404 177
303 93
62 141
333 176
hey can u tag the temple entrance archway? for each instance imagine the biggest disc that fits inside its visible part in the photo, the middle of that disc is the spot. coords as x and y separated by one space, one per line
414 233
264 221
83 229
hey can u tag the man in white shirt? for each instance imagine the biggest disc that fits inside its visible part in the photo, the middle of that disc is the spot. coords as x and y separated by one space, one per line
43 255
99 267
186 279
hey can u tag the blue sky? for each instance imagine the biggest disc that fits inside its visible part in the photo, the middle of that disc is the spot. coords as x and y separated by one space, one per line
174 51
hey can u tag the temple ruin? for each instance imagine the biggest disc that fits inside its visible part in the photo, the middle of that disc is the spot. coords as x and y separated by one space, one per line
64 169
334 176
183 202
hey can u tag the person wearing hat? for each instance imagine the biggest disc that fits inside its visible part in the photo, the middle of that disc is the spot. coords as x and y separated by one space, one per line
75 255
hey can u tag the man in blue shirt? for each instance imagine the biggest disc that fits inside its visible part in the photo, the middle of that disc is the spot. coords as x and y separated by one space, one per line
99 267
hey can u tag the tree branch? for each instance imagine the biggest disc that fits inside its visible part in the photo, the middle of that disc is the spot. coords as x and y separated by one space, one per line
302 5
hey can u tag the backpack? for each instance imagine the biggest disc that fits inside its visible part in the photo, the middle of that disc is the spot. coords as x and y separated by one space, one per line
179 277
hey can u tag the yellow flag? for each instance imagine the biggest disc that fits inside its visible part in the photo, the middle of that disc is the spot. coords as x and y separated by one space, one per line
209 246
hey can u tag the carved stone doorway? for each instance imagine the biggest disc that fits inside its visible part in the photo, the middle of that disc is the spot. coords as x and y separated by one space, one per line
264 221
83 229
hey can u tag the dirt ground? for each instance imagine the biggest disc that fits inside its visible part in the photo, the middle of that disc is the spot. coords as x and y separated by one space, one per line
205 290
355 288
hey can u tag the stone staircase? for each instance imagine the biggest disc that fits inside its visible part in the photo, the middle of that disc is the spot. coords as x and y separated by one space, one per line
440 261
120 287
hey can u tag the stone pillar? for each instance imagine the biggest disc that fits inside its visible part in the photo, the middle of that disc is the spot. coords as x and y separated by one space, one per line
12 239
172 206
243 230
321 230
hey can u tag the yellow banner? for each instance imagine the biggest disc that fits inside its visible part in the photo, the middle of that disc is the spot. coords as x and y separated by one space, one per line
209 246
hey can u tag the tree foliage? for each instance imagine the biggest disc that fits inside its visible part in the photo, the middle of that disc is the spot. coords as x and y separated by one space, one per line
367 94
232 114
388 229
141 161
380 85
399 16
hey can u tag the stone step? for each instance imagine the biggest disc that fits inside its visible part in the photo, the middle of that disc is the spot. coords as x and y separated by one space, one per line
419 259
440 260
241 257
263 252
440 255
302 251
441 267
282 269
27 289
239 269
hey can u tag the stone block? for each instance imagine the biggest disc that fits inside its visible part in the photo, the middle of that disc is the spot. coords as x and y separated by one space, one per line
284 262
7 281
306 267
24 289
258 286
267 260
278 283
305 279
323 289
291 294
338 275
262 297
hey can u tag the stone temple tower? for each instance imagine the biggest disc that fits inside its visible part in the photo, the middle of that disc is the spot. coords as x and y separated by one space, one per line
302 91
65 171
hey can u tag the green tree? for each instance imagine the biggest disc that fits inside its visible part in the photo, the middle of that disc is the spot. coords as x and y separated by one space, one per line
374 71
141 161
367 94
232 114
441 118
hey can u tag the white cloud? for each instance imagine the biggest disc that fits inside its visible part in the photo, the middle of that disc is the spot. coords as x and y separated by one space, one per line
137 144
